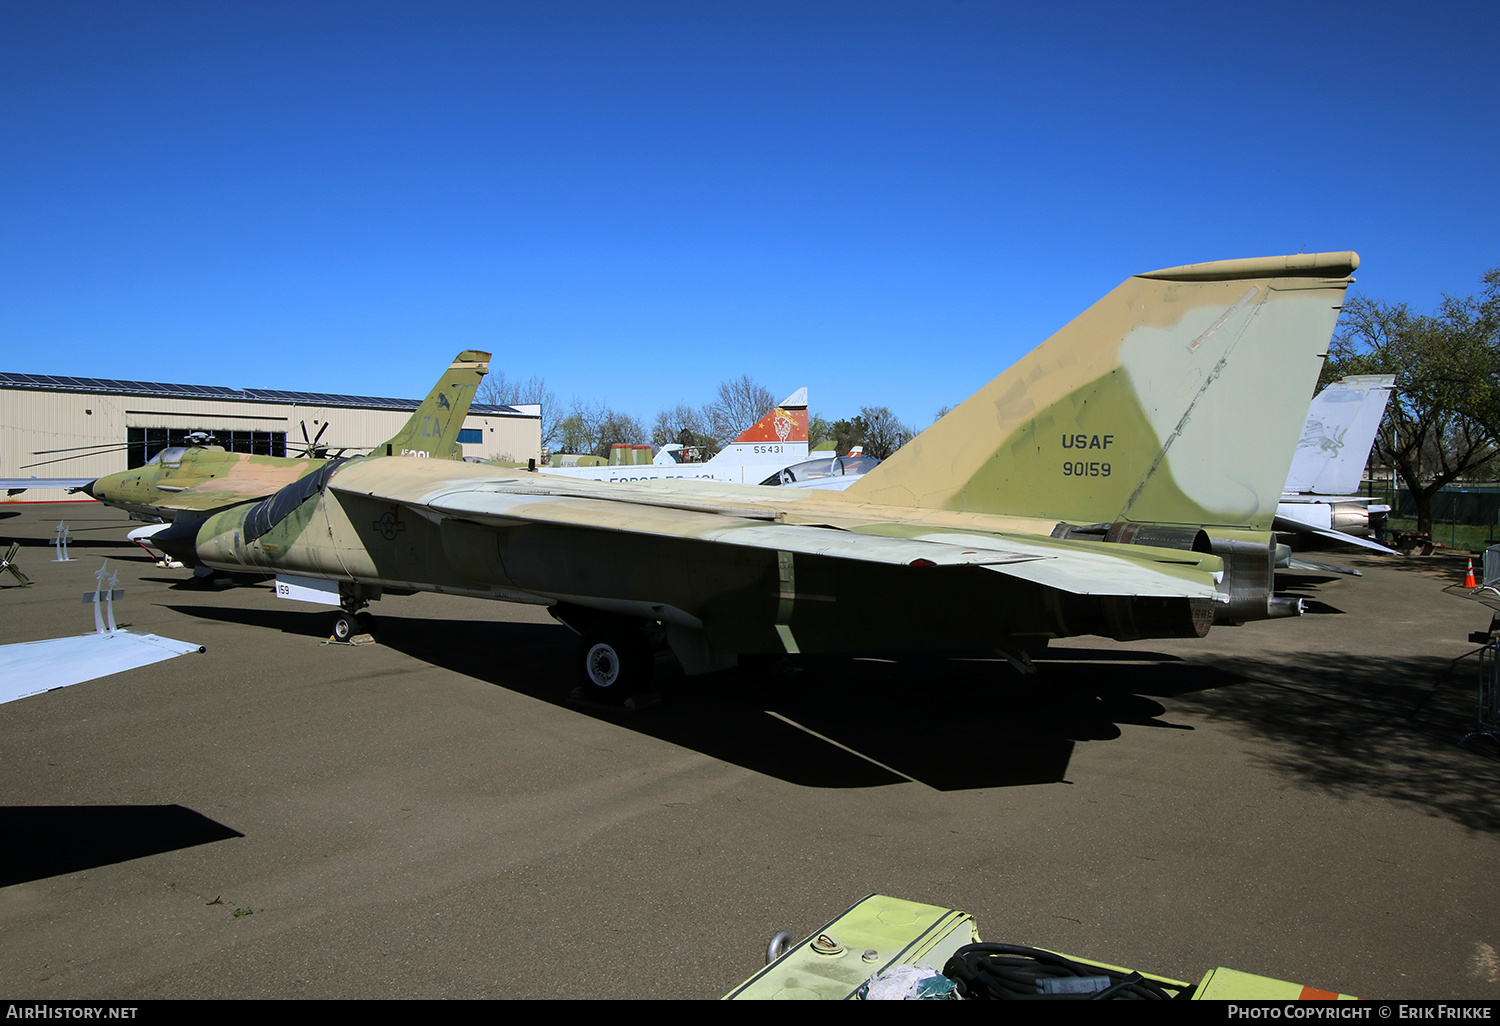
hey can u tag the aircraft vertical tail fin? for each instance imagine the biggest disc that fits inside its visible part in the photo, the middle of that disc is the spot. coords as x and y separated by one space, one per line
432 430
1338 435
779 437
1175 399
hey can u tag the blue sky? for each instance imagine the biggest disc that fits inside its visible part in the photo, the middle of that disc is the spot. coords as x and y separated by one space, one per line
888 202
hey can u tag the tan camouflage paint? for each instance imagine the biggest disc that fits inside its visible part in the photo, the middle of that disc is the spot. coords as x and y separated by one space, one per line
1191 383
1140 393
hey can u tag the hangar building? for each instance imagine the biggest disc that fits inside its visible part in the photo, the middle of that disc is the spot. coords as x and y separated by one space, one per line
71 427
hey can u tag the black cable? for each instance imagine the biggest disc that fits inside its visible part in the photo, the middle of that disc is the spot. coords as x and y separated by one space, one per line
1012 972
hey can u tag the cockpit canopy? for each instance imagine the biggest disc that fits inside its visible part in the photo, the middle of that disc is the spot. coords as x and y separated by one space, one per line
170 457
814 470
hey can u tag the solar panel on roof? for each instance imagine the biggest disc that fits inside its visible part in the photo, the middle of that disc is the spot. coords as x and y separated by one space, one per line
172 390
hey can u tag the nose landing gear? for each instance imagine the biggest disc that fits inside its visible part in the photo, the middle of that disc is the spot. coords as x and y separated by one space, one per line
349 623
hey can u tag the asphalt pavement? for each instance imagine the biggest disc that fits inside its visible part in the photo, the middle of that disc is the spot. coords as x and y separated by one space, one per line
430 816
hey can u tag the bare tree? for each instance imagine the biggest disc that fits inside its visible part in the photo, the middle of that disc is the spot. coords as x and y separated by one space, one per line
685 426
739 404
498 390
884 434
591 428
616 428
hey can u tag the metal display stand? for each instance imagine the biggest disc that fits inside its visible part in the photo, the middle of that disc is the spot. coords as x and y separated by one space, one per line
1491 569
1489 686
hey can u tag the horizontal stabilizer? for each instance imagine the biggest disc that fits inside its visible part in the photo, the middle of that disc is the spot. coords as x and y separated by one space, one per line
32 667
1298 563
1287 524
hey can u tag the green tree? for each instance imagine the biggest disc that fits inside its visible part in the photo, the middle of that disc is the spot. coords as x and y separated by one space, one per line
848 433
573 435
1443 420
592 428
818 431
884 434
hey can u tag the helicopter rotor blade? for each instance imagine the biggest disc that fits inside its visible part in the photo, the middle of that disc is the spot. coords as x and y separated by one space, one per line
78 448
77 455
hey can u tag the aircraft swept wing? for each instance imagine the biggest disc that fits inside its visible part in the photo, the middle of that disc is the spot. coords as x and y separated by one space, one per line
714 517
198 481
17 485
1121 480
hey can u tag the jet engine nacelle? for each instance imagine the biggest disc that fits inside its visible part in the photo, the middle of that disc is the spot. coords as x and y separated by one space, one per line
1247 590
1350 518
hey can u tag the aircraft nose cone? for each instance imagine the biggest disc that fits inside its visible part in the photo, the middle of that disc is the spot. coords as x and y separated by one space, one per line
88 489
180 541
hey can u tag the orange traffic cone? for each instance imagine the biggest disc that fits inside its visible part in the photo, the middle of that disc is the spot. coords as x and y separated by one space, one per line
1469 581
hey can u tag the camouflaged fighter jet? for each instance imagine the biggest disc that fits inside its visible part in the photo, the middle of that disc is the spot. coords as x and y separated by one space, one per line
200 480
1120 480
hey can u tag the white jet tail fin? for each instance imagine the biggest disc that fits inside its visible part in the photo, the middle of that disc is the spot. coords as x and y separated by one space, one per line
1340 430
780 437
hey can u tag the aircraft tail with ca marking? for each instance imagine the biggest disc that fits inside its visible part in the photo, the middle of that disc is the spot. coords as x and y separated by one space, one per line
1177 399
432 431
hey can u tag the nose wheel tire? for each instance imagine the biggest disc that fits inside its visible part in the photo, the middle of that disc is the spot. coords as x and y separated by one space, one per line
344 626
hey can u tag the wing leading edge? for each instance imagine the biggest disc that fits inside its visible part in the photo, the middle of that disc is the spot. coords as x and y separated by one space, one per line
1080 568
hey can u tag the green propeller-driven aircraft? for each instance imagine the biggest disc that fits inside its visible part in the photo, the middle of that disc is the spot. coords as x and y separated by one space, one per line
1120 480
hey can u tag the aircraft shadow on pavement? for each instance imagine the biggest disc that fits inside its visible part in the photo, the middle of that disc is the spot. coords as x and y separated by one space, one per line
1306 587
50 840
951 724
838 722
75 543
287 621
216 582
1375 725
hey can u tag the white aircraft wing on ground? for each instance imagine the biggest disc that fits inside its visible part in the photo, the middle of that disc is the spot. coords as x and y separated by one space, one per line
32 667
